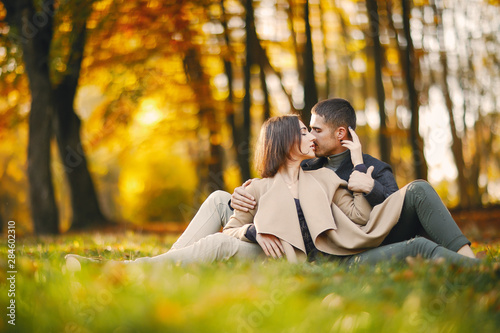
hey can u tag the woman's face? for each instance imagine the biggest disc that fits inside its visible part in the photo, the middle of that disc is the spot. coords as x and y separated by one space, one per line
307 146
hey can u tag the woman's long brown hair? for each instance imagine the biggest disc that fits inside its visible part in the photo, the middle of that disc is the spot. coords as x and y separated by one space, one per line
277 138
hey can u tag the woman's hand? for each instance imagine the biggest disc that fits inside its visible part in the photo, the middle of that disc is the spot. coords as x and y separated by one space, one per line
271 245
355 147
361 182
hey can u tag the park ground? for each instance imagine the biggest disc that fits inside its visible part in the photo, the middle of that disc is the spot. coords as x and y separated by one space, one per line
271 296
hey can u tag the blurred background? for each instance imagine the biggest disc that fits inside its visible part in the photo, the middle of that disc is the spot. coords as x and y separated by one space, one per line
136 110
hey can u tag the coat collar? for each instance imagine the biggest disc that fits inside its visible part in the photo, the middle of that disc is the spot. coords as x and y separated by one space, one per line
277 213
315 199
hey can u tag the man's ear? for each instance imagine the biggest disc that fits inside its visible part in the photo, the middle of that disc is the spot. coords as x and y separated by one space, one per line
341 133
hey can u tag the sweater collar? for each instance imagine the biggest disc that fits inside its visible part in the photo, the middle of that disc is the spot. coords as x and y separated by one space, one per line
334 161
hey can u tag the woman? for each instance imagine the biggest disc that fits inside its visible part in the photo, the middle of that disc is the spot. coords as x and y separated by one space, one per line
339 224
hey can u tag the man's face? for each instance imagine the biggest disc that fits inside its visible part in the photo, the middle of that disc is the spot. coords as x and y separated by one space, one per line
327 140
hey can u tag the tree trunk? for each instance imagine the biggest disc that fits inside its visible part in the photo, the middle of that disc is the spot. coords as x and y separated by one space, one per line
345 88
230 109
417 144
251 41
473 192
322 9
35 41
49 114
456 145
384 140
298 53
263 85
212 177
310 90
84 202
483 151
259 56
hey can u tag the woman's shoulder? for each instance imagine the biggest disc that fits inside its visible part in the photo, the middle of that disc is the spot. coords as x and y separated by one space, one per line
258 185
326 176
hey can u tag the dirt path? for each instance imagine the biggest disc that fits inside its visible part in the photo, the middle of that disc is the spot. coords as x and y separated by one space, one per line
482 225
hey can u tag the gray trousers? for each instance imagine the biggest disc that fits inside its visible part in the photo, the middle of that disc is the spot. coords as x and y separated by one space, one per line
418 246
423 213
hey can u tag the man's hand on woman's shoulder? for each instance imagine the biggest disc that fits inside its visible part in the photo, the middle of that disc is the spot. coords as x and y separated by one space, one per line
241 199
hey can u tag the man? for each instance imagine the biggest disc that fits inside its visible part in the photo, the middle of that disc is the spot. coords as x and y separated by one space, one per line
329 124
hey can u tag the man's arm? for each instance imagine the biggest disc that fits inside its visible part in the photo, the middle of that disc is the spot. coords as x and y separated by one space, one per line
241 220
242 200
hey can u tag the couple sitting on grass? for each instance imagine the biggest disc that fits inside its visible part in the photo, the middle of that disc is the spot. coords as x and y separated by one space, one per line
319 198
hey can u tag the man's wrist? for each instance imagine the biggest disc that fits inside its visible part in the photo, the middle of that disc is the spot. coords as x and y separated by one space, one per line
370 187
361 167
375 196
251 234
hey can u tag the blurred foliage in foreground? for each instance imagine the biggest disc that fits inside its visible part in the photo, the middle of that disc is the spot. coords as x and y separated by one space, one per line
239 296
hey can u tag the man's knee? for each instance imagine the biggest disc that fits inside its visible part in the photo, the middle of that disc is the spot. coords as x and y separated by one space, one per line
422 246
420 186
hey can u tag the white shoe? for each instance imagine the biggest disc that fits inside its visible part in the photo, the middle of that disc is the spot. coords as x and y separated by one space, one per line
74 262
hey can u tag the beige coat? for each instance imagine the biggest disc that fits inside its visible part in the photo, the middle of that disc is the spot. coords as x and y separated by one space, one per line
340 223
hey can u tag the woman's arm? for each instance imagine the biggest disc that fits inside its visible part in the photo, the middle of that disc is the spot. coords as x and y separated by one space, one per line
375 188
238 225
355 147
240 221
241 225
353 205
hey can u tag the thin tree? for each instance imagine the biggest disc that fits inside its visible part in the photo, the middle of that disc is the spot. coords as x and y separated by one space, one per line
456 144
409 65
296 46
324 30
251 42
263 86
374 18
228 70
212 176
310 89
345 88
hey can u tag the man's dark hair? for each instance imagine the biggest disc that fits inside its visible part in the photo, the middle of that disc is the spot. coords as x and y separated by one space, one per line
336 112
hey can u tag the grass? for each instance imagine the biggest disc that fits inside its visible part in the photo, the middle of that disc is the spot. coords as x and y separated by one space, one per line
274 296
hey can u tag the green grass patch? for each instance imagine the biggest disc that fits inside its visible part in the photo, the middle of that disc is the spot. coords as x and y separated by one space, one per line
271 296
